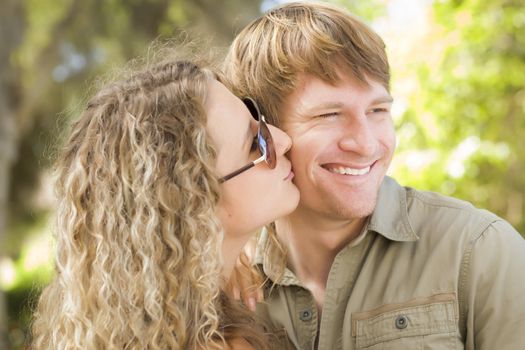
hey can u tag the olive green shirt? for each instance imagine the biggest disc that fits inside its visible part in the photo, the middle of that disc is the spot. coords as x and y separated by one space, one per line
427 272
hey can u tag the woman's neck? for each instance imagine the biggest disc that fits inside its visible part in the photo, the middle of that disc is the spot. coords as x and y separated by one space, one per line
231 248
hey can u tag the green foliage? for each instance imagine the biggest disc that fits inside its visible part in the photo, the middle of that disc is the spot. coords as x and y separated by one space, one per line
368 10
469 114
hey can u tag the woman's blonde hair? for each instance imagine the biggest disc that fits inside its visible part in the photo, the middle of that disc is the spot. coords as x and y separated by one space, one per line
138 241
267 57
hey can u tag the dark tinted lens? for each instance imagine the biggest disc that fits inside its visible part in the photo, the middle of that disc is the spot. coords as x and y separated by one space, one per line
252 107
267 142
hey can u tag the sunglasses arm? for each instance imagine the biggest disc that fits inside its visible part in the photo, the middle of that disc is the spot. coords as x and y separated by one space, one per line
244 168
259 160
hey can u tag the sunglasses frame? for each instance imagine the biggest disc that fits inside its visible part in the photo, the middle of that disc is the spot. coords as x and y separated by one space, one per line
267 148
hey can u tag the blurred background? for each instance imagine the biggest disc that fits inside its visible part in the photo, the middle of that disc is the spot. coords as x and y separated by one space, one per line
458 80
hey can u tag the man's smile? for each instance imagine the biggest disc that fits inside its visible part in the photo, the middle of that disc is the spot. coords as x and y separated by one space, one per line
348 170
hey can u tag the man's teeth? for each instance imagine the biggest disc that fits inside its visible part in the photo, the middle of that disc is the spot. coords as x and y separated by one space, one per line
350 171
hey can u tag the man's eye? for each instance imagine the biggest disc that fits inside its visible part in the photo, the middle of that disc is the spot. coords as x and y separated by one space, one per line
329 115
380 110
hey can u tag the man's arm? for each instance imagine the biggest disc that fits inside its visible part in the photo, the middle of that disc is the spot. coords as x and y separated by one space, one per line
494 293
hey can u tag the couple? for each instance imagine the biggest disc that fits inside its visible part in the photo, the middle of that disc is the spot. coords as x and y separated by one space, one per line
166 176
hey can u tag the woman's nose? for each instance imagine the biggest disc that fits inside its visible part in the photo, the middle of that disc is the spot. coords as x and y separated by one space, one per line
282 141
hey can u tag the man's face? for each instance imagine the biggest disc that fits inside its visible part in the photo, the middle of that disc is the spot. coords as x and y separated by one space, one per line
343 142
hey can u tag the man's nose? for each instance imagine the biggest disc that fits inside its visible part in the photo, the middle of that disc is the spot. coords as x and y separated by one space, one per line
358 137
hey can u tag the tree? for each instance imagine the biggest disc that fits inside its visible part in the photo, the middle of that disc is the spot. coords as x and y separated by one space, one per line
11 28
468 116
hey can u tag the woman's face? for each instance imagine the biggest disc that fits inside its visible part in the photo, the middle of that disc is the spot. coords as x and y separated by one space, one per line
258 195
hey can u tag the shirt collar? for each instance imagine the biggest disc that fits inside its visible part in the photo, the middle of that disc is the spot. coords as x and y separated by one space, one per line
390 216
268 256
389 219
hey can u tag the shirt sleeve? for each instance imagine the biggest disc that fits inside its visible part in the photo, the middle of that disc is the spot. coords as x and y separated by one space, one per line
495 290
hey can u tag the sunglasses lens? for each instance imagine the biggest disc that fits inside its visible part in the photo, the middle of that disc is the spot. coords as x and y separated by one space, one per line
266 144
265 137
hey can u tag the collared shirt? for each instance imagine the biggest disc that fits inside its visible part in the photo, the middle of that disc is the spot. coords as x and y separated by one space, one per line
427 272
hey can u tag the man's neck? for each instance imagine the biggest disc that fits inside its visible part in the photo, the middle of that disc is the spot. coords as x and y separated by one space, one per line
313 241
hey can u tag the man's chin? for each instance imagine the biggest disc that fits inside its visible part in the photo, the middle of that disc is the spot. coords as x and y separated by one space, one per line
355 206
354 212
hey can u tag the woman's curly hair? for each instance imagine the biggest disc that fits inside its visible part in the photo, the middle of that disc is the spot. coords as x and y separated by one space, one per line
138 240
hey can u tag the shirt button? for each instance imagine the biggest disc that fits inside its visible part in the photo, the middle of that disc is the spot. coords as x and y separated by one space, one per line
305 315
401 322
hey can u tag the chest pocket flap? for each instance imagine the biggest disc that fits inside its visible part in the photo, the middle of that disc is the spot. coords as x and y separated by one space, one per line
437 314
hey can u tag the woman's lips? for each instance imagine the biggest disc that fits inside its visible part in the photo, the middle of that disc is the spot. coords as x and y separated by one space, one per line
289 176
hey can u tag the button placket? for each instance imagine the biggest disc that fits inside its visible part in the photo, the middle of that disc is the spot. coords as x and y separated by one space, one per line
306 325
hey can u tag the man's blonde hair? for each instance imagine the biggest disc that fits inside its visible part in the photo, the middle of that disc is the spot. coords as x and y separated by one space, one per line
267 57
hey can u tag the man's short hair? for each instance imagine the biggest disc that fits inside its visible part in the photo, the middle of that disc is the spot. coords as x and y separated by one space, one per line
267 57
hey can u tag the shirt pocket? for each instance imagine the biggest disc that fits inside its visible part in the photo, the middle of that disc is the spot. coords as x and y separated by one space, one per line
424 323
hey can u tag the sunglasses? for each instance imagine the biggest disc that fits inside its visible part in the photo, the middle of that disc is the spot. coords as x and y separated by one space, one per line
264 142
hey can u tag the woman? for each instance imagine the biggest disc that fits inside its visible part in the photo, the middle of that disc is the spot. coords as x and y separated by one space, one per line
159 187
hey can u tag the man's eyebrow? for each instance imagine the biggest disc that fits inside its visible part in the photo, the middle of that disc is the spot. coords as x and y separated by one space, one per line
335 105
383 99
325 105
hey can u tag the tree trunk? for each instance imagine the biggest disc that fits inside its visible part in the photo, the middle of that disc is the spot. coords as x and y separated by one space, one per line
7 154
11 28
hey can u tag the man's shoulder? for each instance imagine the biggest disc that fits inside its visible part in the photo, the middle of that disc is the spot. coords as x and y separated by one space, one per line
407 214
433 202
433 211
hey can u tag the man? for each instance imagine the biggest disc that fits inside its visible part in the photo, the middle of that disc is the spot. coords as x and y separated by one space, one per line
369 264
